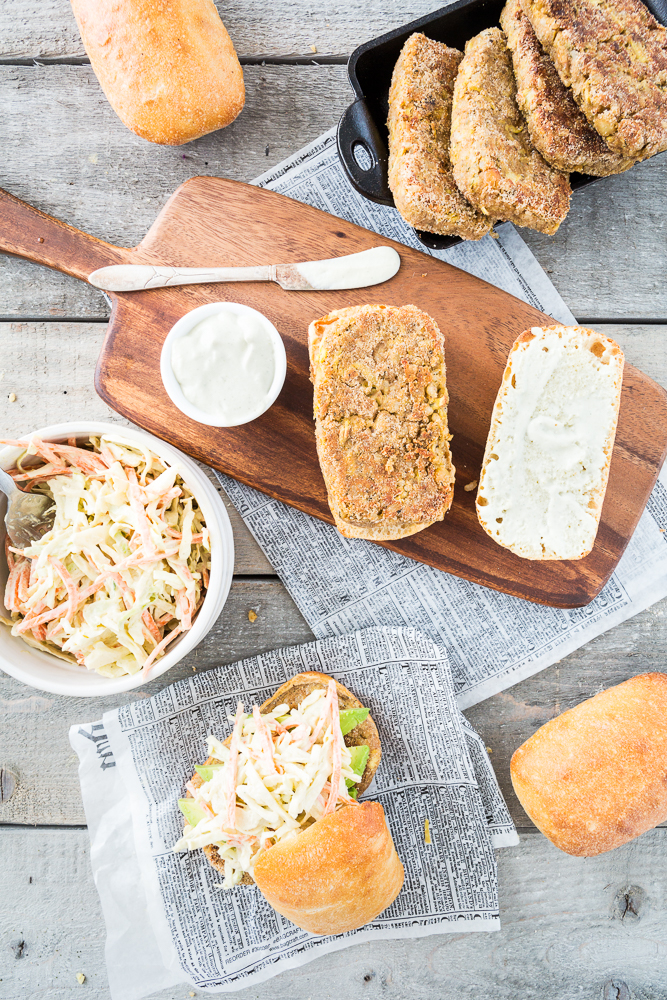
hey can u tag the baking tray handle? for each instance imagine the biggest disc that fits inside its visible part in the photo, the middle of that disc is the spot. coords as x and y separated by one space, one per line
659 10
363 153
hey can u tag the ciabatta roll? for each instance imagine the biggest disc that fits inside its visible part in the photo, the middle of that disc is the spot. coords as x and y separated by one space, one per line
169 70
596 776
338 874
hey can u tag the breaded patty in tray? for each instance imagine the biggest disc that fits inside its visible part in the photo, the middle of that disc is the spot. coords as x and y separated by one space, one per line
495 164
558 129
613 54
420 171
380 405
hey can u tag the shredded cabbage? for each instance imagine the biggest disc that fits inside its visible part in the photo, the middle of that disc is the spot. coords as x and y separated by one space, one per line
125 567
282 772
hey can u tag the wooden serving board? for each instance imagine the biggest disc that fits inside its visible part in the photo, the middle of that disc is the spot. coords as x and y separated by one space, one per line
215 222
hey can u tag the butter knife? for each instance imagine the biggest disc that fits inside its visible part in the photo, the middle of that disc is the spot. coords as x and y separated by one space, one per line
357 270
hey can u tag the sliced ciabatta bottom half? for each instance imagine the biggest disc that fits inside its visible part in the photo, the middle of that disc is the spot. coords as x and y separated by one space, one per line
546 463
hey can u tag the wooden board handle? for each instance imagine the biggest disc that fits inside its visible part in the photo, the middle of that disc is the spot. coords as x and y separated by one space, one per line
27 232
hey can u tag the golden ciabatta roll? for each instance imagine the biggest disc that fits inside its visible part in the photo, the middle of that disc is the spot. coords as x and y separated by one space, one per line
169 70
596 776
339 874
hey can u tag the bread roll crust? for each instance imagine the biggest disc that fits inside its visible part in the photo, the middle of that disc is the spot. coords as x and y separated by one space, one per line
169 70
337 875
595 777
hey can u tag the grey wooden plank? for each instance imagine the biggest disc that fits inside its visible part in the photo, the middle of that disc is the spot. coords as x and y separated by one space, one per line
34 725
39 751
50 368
566 932
88 169
109 182
608 257
507 720
47 29
644 346
33 732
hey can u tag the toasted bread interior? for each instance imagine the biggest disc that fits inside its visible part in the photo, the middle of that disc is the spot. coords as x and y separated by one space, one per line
292 693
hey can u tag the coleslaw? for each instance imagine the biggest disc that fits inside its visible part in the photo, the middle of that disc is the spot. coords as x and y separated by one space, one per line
124 569
281 772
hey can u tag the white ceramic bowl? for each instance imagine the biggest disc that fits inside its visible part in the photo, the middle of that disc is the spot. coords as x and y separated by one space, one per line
184 325
48 673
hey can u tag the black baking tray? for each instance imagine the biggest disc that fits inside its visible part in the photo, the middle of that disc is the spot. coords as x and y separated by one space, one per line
362 131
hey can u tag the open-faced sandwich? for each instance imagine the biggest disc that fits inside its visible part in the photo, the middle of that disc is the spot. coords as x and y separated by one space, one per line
276 804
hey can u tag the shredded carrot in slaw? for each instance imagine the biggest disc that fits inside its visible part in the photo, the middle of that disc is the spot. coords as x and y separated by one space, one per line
125 567
335 749
279 773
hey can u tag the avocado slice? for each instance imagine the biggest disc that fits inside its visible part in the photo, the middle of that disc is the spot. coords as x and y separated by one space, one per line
358 764
359 760
206 771
192 811
351 717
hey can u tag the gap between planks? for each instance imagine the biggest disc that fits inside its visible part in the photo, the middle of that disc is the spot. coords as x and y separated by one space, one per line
47 29
581 321
570 927
605 259
311 59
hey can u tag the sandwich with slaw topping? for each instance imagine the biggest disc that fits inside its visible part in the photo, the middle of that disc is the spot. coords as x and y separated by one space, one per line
276 804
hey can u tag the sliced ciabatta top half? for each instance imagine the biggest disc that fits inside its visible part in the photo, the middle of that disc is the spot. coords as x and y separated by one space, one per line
546 463
339 874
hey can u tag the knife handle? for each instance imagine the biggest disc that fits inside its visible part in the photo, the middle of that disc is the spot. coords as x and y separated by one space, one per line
27 232
139 277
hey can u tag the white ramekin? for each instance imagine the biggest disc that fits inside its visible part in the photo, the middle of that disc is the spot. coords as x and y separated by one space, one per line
184 325
48 673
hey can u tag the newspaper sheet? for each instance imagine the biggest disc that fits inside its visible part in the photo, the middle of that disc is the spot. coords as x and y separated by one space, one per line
493 640
169 921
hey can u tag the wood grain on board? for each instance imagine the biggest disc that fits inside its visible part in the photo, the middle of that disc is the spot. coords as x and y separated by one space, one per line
209 220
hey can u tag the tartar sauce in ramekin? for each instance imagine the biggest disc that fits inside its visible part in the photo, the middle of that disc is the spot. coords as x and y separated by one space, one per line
225 366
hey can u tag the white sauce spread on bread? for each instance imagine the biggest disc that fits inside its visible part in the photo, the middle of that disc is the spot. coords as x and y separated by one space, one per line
547 458
225 366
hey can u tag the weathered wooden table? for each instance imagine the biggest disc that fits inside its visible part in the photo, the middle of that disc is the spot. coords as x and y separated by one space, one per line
570 927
